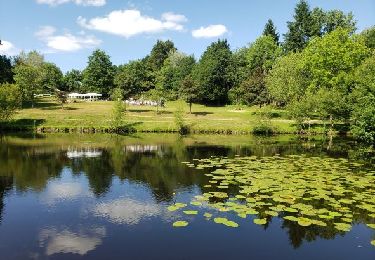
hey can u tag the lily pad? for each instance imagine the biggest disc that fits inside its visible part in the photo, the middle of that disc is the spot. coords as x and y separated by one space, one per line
180 223
258 221
190 212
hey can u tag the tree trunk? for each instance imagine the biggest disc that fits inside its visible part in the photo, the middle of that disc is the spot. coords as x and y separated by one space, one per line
190 106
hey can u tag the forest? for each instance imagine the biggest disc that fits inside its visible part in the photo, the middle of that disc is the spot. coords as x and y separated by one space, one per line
322 69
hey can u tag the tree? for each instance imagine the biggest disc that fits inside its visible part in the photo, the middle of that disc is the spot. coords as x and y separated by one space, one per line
99 74
6 73
52 77
160 53
270 30
176 67
189 91
299 30
73 81
286 81
10 100
253 89
261 55
369 37
28 75
118 109
214 73
133 78
61 96
336 18
308 24
363 96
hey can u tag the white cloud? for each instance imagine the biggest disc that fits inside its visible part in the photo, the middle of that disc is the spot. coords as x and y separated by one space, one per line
66 241
77 2
128 23
210 31
8 48
67 41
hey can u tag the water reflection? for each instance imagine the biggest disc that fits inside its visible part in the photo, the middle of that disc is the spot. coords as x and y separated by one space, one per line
57 192
94 172
66 241
127 211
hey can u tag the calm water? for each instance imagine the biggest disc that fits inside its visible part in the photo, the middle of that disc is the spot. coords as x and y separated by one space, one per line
105 197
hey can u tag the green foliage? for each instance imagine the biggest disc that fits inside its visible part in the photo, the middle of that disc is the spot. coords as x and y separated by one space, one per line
6 74
117 121
133 78
52 77
28 74
72 81
10 100
253 90
363 96
214 73
179 120
176 67
160 53
299 31
189 91
99 74
308 24
369 37
263 53
270 30
286 81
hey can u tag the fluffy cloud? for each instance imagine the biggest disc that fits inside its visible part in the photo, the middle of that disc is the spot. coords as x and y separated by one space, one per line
128 23
7 48
210 31
67 41
77 2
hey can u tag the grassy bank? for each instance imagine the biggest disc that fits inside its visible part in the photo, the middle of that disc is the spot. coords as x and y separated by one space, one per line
47 116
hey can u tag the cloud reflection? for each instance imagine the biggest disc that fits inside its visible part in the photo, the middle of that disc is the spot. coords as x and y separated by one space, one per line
63 191
127 211
66 241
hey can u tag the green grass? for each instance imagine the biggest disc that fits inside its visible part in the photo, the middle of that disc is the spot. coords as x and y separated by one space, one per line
47 115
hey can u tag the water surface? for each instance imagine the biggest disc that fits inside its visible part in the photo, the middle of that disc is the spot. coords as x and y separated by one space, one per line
107 197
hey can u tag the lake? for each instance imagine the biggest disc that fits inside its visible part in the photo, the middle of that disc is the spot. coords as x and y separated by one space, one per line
160 196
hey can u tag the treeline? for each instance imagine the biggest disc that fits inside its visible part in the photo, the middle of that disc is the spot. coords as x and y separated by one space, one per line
321 70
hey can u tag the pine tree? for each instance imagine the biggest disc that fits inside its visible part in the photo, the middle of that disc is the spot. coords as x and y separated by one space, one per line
270 29
299 31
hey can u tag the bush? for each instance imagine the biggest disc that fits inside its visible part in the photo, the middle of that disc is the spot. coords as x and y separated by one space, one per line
181 125
10 100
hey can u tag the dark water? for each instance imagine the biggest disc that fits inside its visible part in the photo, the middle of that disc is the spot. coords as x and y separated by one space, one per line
103 197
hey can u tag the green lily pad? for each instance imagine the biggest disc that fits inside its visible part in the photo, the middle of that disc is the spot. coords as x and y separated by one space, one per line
371 225
258 221
180 224
225 222
190 212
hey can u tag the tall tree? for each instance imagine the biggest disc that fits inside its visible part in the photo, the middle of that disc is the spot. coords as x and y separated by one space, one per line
214 73
73 81
133 78
299 30
159 54
28 75
261 55
176 67
6 74
99 74
270 30
52 77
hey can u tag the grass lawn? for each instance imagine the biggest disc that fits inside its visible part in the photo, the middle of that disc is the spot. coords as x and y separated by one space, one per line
48 114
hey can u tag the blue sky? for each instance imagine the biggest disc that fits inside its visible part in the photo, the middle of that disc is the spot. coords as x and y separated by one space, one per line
67 31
